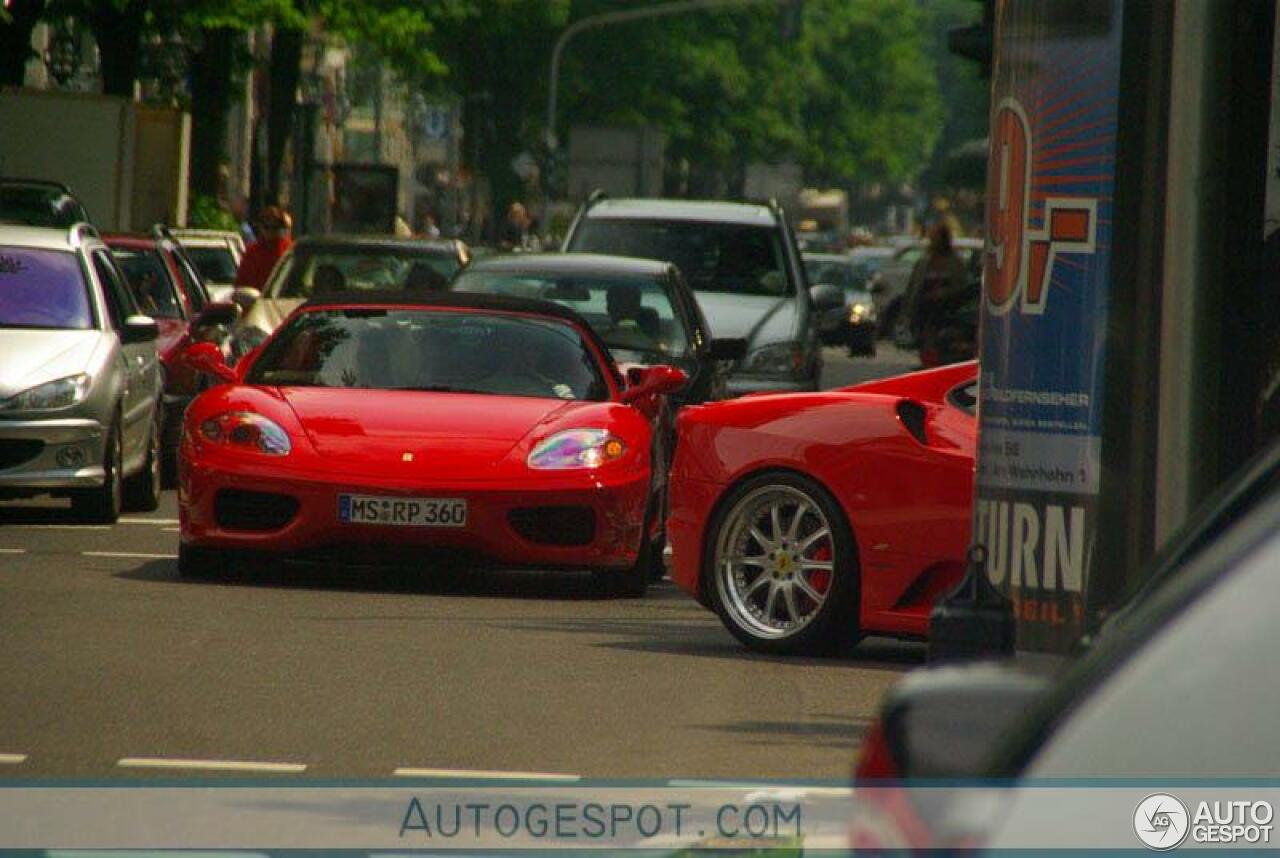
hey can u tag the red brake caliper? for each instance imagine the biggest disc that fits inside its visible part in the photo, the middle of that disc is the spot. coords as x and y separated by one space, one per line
820 579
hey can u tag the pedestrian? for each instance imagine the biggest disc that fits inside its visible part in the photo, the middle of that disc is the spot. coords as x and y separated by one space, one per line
429 227
938 297
275 228
515 229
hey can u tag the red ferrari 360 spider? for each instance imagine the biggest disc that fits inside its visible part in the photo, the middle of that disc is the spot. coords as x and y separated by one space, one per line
807 520
492 428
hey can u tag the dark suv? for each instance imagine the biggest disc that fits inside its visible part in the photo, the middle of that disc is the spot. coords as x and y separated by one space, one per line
745 270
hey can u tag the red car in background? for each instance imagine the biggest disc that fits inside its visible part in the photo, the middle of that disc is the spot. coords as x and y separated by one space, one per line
375 426
808 520
168 288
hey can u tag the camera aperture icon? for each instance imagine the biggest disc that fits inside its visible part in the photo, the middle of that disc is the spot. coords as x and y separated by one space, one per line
1161 821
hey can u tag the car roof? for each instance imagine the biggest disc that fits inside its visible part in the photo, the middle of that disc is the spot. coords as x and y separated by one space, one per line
825 257
335 241
42 237
571 263
19 181
121 239
691 210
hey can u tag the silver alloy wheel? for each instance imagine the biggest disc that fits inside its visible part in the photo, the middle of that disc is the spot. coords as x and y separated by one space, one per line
775 561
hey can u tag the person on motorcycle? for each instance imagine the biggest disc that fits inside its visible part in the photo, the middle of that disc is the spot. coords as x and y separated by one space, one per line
940 300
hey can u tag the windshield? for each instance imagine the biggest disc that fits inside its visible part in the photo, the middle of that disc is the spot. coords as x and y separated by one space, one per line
40 206
317 271
42 289
832 273
714 257
215 264
444 350
629 314
149 279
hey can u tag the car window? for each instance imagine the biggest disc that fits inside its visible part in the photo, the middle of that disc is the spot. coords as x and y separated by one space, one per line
120 303
432 350
965 397
715 257
149 278
43 289
215 264
633 314
839 274
320 271
40 206
196 293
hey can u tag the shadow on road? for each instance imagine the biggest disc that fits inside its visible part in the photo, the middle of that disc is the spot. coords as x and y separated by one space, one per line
14 514
427 579
837 732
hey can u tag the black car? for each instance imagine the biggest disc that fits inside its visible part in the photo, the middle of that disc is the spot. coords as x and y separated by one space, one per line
853 324
642 309
37 202
744 267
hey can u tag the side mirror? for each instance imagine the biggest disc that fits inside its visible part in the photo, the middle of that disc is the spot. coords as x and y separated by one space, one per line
245 296
826 297
207 358
945 722
139 329
653 381
728 349
217 314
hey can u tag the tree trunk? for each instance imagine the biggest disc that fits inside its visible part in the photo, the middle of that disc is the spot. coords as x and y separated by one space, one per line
286 69
119 36
211 91
15 40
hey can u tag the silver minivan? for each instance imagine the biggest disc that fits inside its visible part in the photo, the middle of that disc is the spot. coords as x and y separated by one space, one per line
80 381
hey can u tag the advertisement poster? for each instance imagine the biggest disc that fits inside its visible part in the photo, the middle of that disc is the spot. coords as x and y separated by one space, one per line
1051 178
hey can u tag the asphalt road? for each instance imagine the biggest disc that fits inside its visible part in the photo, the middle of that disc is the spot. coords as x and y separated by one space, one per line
111 666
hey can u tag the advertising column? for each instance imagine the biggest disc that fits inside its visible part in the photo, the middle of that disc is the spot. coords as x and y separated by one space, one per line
1051 179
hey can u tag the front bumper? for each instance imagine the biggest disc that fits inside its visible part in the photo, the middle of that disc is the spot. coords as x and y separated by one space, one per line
51 454
315 531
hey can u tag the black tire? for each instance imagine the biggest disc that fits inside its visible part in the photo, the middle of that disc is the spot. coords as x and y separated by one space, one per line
889 319
832 624
142 490
197 562
102 505
632 582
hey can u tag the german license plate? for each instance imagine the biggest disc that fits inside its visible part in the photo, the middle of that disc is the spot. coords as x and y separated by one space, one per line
402 511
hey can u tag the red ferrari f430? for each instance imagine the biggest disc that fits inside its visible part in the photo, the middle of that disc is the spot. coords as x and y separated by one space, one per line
487 428
808 520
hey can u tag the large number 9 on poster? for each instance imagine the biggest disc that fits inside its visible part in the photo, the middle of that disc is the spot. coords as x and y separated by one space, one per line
1009 195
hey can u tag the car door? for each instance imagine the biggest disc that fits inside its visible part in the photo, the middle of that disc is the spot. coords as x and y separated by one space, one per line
141 364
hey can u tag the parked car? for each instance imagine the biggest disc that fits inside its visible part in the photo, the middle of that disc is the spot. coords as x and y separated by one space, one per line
319 265
808 520
80 382
642 309
888 285
853 323
216 255
167 287
38 202
1106 714
482 426
745 270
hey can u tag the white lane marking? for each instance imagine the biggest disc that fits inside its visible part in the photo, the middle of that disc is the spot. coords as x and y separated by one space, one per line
13 551
147 521
60 526
461 774
12 759
169 529
209 765
132 555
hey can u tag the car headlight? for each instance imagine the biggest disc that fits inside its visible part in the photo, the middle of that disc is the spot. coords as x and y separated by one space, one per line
776 359
577 448
60 393
859 312
245 340
245 430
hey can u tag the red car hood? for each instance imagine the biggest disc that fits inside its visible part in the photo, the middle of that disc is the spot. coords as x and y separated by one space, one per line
374 431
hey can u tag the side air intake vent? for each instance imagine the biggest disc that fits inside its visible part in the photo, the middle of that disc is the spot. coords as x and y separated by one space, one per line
912 415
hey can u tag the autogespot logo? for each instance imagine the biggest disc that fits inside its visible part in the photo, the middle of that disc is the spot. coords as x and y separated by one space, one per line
1161 821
